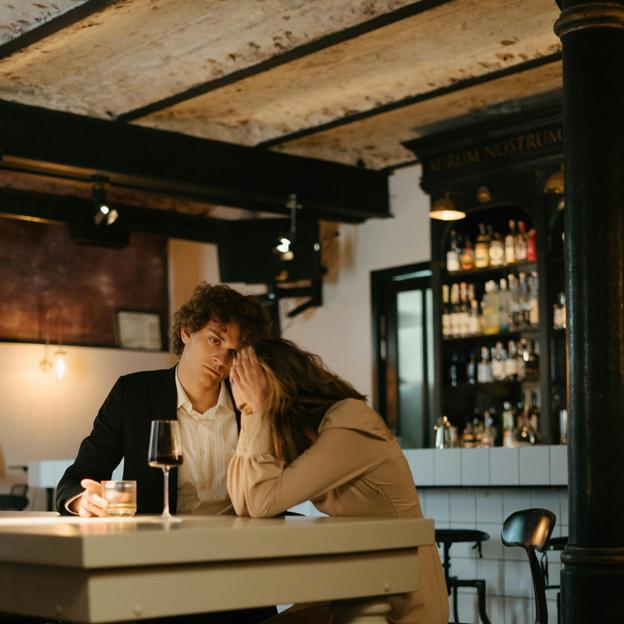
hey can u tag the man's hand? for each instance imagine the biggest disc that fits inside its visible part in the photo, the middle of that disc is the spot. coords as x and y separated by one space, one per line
249 382
91 502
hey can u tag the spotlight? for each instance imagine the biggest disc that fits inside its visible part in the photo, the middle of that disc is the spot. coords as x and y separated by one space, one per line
286 242
103 215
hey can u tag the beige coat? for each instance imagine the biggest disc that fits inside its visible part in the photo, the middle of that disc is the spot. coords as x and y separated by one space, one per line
355 468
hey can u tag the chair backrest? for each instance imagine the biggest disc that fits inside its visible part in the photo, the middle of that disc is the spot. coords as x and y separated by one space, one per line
531 529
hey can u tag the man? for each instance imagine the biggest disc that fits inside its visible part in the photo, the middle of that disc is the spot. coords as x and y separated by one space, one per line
208 332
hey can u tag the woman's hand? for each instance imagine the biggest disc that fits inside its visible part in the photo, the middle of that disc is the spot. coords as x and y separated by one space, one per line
249 382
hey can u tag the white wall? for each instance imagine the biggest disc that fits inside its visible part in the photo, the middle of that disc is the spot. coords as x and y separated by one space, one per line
340 330
42 417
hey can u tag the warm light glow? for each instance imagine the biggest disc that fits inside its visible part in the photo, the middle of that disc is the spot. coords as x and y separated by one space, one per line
447 215
284 245
104 209
444 209
60 366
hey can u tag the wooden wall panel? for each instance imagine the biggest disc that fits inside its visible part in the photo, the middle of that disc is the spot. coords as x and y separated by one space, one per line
54 288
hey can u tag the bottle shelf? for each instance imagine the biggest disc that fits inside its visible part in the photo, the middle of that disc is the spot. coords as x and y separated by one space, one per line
528 331
490 385
490 271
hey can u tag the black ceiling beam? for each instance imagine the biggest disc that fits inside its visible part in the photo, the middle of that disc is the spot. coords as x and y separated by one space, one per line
37 139
51 27
412 99
305 49
78 211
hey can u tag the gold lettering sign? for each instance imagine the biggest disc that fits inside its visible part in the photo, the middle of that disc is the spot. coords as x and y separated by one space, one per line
502 148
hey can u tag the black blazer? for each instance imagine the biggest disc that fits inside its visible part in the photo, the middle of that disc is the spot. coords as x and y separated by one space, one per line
121 429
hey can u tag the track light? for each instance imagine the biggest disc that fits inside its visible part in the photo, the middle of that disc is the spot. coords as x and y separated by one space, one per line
286 242
104 214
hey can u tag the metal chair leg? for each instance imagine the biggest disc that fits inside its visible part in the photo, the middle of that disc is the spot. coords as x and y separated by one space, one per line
455 605
480 585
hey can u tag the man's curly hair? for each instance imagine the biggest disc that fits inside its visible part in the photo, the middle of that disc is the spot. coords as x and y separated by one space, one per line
222 304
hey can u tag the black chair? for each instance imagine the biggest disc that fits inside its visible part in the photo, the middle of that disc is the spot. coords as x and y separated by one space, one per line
531 529
16 500
555 543
448 537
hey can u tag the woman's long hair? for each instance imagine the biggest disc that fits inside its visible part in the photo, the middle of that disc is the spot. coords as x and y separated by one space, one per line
300 390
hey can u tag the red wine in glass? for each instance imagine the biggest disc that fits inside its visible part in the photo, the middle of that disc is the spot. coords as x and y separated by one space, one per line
165 452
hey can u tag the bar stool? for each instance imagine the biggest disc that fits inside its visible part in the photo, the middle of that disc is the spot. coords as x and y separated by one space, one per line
555 543
448 537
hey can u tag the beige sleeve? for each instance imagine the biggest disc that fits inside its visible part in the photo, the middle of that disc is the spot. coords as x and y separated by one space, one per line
260 485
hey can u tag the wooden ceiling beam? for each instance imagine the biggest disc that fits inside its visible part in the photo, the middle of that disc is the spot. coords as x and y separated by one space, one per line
38 139
53 26
413 99
305 49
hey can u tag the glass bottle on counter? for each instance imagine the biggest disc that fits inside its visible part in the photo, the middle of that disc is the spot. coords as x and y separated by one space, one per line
515 306
482 248
453 253
532 362
471 369
454 313
508 425
522 349
524 303
510 243
559 312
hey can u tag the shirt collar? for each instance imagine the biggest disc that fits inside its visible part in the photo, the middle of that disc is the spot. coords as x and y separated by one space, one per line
223 402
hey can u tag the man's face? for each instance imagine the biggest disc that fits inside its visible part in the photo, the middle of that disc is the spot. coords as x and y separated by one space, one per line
210 351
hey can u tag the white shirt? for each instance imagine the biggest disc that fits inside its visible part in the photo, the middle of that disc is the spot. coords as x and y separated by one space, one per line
208 443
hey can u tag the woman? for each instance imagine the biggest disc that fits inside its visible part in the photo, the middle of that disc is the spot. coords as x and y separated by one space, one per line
307 434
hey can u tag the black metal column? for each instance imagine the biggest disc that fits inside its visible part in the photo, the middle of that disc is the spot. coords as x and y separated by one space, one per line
592 33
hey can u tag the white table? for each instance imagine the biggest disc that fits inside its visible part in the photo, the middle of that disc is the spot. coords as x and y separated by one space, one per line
104 570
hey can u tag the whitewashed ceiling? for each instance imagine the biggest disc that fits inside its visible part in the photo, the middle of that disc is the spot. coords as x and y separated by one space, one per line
340 80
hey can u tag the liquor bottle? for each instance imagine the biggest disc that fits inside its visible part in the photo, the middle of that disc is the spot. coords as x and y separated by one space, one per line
532 362
463 318
497 250
522 358
484 368
491 323
515 317
523 299
533 304
511 363
467 257
454 323
559 312
471 370
446 312
478 426
453 252
525 434
508 425
503 305
534 412
482 248
498 362
510 243
467 437
531 246
454 370
520 246
488 436
475 318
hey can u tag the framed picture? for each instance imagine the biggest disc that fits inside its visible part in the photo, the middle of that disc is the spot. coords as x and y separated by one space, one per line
139 330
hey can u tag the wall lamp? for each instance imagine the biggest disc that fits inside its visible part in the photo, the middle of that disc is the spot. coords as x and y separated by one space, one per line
445 209
554 184
103 214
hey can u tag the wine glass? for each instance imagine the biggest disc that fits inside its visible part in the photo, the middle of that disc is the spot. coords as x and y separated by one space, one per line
165 452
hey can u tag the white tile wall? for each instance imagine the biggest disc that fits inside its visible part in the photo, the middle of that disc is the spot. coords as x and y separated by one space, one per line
505 570
421 464
504 466
447 467
475 466
559 465
534 465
